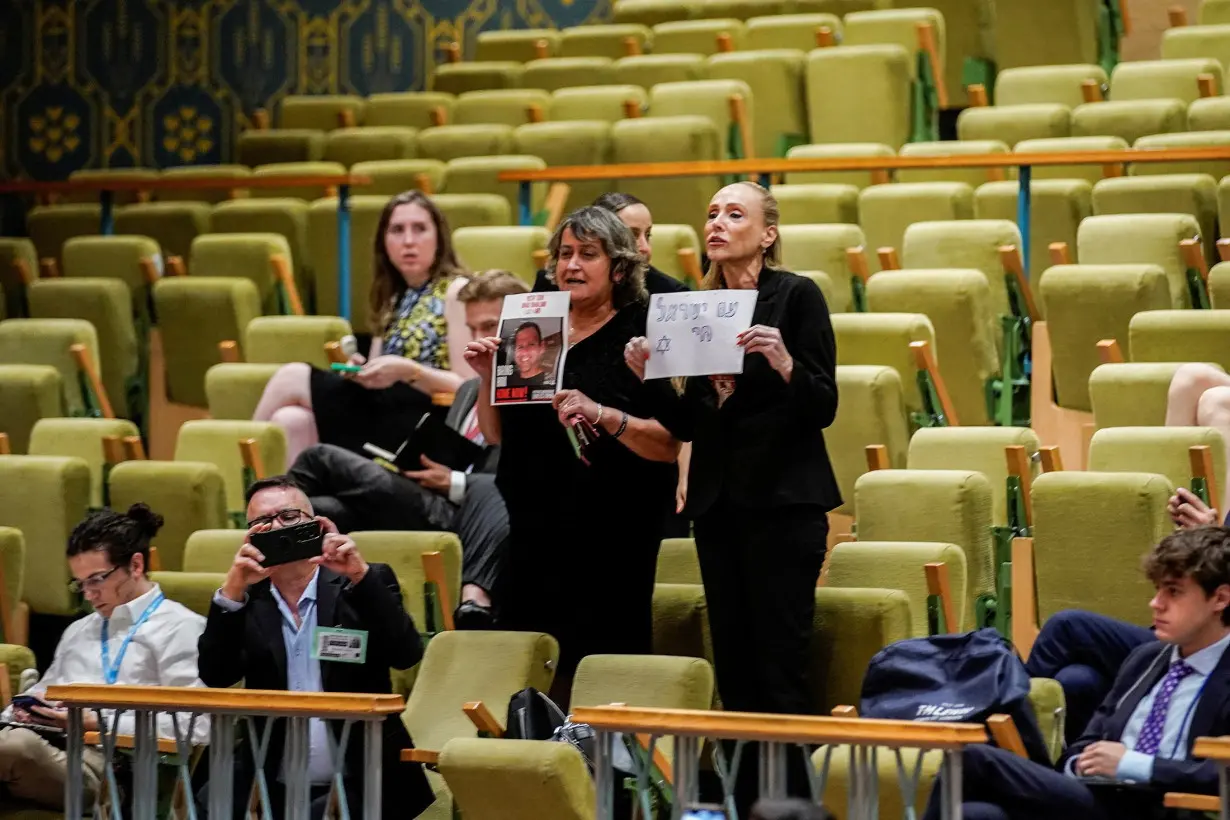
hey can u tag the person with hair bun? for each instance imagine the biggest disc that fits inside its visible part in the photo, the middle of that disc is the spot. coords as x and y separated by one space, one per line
134 637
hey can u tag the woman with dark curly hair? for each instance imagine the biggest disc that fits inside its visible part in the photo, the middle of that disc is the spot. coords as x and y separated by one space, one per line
585 534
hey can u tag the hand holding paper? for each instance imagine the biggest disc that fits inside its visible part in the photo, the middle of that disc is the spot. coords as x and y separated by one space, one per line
768 341
697 333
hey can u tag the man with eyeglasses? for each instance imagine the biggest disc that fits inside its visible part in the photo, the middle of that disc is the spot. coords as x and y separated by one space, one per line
277 627
134 636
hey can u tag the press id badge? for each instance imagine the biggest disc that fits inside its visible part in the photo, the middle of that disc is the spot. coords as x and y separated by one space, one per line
341 645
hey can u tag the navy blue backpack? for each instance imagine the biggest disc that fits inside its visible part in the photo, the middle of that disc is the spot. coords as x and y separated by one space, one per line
963 678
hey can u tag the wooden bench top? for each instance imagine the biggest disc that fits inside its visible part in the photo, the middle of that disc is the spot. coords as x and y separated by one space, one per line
227 701
184 184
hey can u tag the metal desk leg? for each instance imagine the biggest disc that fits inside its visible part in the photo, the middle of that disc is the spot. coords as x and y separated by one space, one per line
343 251
1223 788
373 751
525 205
74 781
106 201
1024 205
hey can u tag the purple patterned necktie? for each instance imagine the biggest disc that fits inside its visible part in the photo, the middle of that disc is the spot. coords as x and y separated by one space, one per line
1151 733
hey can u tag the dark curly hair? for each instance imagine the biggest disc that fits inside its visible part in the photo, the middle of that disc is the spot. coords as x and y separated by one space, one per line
1202 554
121 535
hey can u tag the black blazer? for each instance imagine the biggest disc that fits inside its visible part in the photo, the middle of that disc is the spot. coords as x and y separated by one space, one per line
1139 674
247 645
466 398
764 447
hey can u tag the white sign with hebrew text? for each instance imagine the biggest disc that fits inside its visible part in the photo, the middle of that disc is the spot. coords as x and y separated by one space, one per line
695 333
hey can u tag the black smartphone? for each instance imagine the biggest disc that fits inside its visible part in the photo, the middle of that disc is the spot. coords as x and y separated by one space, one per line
28 702
289 543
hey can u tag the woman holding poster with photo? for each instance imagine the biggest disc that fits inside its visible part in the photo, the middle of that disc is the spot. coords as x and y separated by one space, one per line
585 531
759 481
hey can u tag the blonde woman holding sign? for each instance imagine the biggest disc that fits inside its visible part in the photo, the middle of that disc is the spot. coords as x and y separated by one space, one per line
760 484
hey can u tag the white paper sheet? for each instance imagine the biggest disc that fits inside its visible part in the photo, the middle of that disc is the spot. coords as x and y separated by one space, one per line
694 333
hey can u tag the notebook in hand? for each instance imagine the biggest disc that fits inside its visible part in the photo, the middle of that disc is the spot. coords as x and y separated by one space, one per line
433 438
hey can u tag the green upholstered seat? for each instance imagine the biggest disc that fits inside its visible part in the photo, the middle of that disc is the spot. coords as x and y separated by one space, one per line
1194 139
1209 114
1131 394
47 342
295 169
403 551
369 143
50 226
859 94
819 247
666 242
1172 335
850 626
172 225
246 255
497 779
775 79
18 659
1055 145
322 245
1197 42
389 177
81 438
212 550
518 45
1042 84
408 109
872 411
448 142
233 390
280 339
953 148
681 621
467 210
320 111
647 70
574 142
653 12
897 27
816 203
510 249
286 216
860 179
670 139
604 40
973 448
1129 119
1059 206
1163 79
132 259
506 106
1161 450
696 36
1140 239
1011 124
13 562
886 211
561 72
28 392
253 147
1194 194
704 98
677 562
963 243
210 196
899 565
480 175
190 495
883 340
795 31
217 442
595 102
1045 32
194 590
18 262
109 175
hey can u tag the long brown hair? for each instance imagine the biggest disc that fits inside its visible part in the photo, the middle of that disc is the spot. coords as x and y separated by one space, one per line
771 256
388 286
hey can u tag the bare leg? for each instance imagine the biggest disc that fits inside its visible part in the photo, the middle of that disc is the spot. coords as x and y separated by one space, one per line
290 386
300 427
1188 385
1213 411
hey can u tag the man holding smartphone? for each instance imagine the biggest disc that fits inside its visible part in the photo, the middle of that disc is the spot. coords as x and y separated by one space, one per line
284 621
134 636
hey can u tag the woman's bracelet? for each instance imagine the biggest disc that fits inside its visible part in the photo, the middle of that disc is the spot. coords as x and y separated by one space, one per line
623 425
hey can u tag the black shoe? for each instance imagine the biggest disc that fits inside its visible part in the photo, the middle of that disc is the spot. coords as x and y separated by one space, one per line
471 615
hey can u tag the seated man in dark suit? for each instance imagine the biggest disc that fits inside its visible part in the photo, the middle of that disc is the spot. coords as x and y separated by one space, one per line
263 627
1138 745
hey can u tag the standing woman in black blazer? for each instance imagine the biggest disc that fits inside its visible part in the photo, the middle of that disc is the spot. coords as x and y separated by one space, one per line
760 484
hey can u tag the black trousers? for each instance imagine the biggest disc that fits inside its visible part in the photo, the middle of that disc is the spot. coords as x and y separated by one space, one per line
358 494
1083 651
998 785
760 569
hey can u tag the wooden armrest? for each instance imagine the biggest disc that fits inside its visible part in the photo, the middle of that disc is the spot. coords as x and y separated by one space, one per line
1193 257
1192 802
48 268
856 261
1206 85
260 119
924 359
877 457
439 116
1059 253
22 271
534 113
632 47
155 559
6 685
283 275
926 44
632 110
134 448
1178 19
1006 735
250 452
483 720
825 37
175 266
345 119
1109 352
1024 600
166 746
228 352
113 449
888 259
86 365
423 756
1052 458
452 52
724 43
423 183
6 621
1010 258
1018 466
542 49
845 711
1091 90
659 759
978 96
6 447
334 354
691 265
1125 17
433 570
557 198
738 115
939 583
1202 467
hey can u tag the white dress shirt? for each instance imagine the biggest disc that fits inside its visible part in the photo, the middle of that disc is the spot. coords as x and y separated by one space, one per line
162 652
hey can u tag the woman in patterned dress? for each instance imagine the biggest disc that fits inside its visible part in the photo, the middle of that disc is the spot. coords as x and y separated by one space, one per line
418 333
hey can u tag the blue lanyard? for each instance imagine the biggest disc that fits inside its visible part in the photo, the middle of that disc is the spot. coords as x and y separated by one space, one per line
112 673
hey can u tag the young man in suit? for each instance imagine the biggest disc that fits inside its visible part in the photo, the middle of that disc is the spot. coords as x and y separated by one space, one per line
262 629
1138 746
356 493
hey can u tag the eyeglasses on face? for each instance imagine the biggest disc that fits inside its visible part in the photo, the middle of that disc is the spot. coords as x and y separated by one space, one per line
95 581
286 517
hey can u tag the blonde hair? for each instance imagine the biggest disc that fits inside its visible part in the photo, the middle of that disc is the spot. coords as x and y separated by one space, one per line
770 256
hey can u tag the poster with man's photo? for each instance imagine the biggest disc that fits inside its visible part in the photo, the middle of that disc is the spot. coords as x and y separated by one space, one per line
533 342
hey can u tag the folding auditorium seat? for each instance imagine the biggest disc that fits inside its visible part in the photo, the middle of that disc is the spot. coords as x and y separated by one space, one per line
885 211
195 313
1173 335
403 552
110 174
1131 394
1219 285
1209 114
940 506
285 216
18 658
1129 119
190 495
281 339
1085 304
28 393
409 109
899 27
810 247
963 243
1193 194
883 340
508 106
509 249
173 225
899 565
681 621
647 70
670 139
958 303
1048 32
135 260
859 94
18 267
252 256
255 147
211 196
1011 124
794 31
456 78
1161 450
743 10
217 442
234 389
1047 84
295 169
322 246
816 203
480 175
775 79
50 226
561 72
850 627
613 40
516 46
474 210
839 150
871 411
195 590
1214 13
348 146
1197 42
212 550
575 142
677 562
392 176
711 99
667 242
597 102
954 148
452 141
698 36
83 439
1062 145
1058 206
1140 239
106 304
652 12
973 448
838 301
1193 139
48 342
321 111
1164 79
45 497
